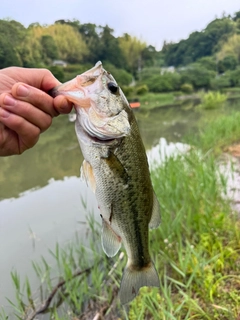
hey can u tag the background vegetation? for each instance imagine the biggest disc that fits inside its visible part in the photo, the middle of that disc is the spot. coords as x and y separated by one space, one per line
208 59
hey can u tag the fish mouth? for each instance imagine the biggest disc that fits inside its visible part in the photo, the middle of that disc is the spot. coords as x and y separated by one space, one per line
95 122
78 89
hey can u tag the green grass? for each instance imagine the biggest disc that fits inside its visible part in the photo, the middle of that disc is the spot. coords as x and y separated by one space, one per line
196 250
196 246
218 134
152 100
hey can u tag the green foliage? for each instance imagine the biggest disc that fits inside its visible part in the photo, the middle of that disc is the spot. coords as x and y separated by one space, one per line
209 63
218 134
196 245
222 81
228 63
163 82
186 88
234 76
212 100
122 76
58 72
109 48
127 90
12 35
142 89
152 100
49 47
199 44
197 75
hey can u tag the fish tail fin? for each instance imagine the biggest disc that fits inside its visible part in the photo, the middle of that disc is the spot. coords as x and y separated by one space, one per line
133 280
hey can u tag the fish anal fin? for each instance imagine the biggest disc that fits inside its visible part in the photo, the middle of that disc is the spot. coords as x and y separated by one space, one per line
133 280
88 175
111 242
156 217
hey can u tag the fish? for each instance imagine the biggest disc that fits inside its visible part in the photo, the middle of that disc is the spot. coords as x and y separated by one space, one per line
116 168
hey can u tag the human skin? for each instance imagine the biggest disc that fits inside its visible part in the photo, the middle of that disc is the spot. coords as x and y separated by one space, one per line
26 109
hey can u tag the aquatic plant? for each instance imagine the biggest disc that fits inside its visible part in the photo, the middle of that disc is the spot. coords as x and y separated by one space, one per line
212 99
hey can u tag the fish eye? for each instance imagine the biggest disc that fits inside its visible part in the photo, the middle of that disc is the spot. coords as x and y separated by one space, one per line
113 87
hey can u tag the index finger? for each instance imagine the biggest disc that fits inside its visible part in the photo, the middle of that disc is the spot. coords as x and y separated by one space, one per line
40 78
36 97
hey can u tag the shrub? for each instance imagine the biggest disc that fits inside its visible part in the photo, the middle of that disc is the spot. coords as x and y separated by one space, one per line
127 90
187 88
213 100
142 89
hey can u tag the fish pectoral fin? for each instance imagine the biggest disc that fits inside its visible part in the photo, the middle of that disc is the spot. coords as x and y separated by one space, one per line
134 279
156 217
111 242
88 176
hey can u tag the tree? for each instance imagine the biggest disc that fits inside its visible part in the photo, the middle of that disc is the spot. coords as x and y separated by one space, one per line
133 52
109 49
199 44
89 32
49 47
228 63
70 45
230 48
12 35
198 76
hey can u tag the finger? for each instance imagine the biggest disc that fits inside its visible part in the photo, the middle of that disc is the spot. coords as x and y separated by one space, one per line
27 132
40 78
62 105
25 110
35 97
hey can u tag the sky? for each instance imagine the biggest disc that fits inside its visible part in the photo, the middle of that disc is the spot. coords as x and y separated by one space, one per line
152 21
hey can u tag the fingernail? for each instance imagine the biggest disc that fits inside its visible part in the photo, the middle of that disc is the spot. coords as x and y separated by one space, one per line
4 113
9 101
22 91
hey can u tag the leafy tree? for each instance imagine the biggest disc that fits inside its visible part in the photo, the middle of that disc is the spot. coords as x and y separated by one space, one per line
199 44
163 82
12 36
49 47
196 75
57 72
149 55
234 76
228 63
109 49
70 45
236 16
89 32
209 63
132 50
221 81
231 48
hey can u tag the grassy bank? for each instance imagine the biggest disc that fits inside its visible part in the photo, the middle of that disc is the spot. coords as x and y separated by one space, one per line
196 250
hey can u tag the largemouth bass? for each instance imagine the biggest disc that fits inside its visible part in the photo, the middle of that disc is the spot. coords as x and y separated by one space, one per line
116 169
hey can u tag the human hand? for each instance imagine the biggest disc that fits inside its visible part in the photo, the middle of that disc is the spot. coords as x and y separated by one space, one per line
26 109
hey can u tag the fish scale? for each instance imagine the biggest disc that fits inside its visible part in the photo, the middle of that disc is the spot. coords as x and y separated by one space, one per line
116 168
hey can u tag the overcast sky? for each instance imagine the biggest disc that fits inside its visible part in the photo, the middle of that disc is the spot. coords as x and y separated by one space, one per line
152 21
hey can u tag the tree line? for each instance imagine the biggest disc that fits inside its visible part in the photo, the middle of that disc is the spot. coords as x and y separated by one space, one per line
206 59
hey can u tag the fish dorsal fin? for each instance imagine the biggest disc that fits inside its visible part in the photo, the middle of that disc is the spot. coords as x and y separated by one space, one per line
156 217
111 242
87 175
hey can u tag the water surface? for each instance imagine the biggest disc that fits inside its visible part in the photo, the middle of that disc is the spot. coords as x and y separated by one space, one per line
41 193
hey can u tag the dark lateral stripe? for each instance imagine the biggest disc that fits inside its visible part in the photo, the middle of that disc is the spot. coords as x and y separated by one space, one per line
138 237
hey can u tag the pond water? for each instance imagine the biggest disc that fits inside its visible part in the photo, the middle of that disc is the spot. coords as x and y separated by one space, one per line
41 195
